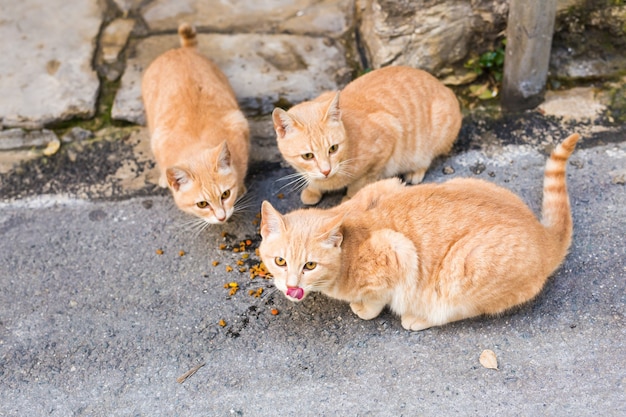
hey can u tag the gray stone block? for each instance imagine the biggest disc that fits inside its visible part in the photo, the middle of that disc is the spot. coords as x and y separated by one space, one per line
263 69
302 17
45 70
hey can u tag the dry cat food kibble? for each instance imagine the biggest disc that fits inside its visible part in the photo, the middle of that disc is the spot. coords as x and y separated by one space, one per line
222 323
159 251
229 268
259 270
215 263
274 311
233 287
181 253
257 293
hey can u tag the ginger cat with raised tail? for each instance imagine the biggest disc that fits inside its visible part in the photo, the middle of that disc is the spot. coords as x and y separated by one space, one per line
390 121
199 137
432 253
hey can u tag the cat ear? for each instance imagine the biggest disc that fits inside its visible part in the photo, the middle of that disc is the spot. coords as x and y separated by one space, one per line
332 235
283 122
271 221
224 157
333 113
177 178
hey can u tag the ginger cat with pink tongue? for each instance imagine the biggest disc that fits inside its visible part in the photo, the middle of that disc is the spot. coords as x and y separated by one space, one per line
390 121
432 253
199 137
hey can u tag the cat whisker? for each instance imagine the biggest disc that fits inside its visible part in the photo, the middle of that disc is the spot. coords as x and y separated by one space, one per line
194 226
298 181
244 203
268 294
289 176
201 229
297 184
190 223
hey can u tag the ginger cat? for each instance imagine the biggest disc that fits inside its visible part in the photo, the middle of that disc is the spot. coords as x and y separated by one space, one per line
433 253
199 137
391 121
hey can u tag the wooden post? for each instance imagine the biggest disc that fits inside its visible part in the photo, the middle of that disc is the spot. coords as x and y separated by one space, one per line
528 43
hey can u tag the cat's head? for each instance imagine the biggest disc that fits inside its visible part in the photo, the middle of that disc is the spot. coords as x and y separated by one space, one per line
207 185
302 249
312 138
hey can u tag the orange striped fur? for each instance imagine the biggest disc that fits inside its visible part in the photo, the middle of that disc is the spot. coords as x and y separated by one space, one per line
199 137
390 121
432 253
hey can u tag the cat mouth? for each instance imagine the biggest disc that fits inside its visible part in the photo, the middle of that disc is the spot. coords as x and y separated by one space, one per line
295 292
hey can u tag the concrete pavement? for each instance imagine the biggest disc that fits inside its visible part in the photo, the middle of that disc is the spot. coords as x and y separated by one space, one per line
107 295
95 322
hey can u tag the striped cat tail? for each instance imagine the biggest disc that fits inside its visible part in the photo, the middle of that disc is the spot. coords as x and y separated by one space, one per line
556 212
187 35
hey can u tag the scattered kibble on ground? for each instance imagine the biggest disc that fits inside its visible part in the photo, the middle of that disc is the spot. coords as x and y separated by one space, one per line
222 323
274 311
181 253
215 263
259 270
233 288
256 293
159 251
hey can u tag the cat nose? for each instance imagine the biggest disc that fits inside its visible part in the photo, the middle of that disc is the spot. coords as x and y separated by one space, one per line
326 172
220 215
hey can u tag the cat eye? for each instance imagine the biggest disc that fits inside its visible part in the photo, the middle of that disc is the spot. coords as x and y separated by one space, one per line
307 156
225 194
280 261
310 265
202 204
333 149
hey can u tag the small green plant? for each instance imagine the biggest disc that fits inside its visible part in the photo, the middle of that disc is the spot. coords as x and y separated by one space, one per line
490 62
491 65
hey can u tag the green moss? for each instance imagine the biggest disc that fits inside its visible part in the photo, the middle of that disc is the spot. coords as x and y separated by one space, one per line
617 105
101 119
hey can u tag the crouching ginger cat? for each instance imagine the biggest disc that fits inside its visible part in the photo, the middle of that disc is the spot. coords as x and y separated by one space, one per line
433 253
199 137
391 121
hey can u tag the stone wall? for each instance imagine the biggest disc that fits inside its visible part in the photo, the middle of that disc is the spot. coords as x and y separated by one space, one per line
440 35
62 60
428 34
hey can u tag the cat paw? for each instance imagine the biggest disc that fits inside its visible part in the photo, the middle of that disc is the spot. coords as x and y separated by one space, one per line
310 196
366 311
163 180
414 324
416 177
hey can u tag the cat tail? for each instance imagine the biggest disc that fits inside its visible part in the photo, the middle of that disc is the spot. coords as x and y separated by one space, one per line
187 34
556 212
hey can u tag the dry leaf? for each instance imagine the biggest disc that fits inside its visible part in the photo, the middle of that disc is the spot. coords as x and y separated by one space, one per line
488 359
190 372
52 147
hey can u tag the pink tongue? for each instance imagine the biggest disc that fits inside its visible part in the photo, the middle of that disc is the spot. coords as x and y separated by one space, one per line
295 292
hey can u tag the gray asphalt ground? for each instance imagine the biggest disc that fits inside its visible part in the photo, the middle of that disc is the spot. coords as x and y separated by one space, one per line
93 322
